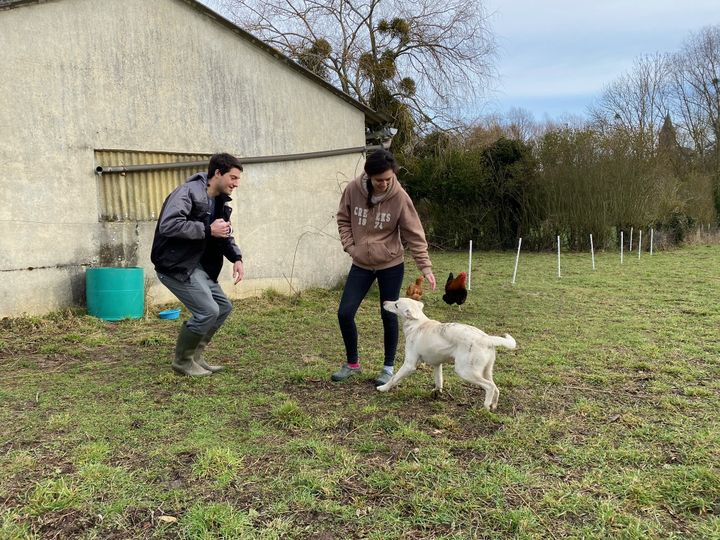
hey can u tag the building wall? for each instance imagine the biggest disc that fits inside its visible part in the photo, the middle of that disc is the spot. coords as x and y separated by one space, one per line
80 75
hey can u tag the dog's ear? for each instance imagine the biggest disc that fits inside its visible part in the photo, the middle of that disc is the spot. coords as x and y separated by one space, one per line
409 313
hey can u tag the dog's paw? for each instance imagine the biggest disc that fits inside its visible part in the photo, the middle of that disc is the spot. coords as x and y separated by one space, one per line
382 388
436 393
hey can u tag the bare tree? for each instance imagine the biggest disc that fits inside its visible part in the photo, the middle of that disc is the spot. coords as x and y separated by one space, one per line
516 124
416 57
696 89
636 103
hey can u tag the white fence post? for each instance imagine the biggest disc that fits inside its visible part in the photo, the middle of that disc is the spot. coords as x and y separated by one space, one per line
651 240
517 258
558 244
469 279
640 244
592 252
622 246
631 235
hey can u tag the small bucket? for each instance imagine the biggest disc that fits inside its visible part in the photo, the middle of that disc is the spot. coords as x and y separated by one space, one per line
170 314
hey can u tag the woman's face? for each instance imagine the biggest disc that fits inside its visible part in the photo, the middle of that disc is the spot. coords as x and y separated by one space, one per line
381 182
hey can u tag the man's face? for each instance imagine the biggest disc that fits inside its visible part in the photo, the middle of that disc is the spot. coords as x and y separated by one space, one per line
225 183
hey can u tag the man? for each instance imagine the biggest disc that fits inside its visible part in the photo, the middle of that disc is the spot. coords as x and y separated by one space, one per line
192 235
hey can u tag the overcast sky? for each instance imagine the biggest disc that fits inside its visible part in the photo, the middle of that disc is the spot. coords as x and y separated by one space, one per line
555 56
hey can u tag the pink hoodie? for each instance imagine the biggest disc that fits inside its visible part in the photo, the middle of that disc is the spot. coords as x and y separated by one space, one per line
372 236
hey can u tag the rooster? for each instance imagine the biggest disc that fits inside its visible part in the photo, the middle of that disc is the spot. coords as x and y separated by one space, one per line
414 290
455 291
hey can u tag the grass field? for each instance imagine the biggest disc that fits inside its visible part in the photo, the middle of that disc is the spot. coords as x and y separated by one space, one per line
607 427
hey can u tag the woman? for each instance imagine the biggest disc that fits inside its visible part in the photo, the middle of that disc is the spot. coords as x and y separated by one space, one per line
375 213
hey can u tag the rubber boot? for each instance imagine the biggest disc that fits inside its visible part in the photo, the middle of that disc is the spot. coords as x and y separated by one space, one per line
198 356
187 343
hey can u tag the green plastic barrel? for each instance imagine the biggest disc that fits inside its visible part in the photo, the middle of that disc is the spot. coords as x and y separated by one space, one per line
115 293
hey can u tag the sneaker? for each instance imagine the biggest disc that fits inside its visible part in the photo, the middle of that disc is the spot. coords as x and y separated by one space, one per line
344 373
383 378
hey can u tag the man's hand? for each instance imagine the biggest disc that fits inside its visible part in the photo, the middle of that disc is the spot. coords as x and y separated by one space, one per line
220 228
238 271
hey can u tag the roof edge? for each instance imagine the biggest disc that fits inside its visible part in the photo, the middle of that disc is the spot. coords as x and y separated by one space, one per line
375 117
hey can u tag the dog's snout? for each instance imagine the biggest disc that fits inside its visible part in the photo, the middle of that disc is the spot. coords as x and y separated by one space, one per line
389 305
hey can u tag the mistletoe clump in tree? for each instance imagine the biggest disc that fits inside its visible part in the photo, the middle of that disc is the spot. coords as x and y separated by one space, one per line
419 62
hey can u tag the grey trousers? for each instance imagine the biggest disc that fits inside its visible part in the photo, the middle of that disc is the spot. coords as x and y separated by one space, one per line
203 297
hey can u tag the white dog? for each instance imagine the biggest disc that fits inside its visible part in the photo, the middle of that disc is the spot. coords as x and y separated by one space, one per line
435 343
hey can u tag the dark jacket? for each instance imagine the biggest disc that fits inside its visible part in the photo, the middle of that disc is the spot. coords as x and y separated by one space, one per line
182 235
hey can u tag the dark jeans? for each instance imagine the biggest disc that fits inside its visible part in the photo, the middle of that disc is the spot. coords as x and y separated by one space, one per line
357 286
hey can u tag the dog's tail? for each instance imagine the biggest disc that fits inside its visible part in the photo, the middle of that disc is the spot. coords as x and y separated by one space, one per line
508 341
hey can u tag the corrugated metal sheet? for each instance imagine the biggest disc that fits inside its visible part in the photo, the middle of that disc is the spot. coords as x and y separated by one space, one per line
138 196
